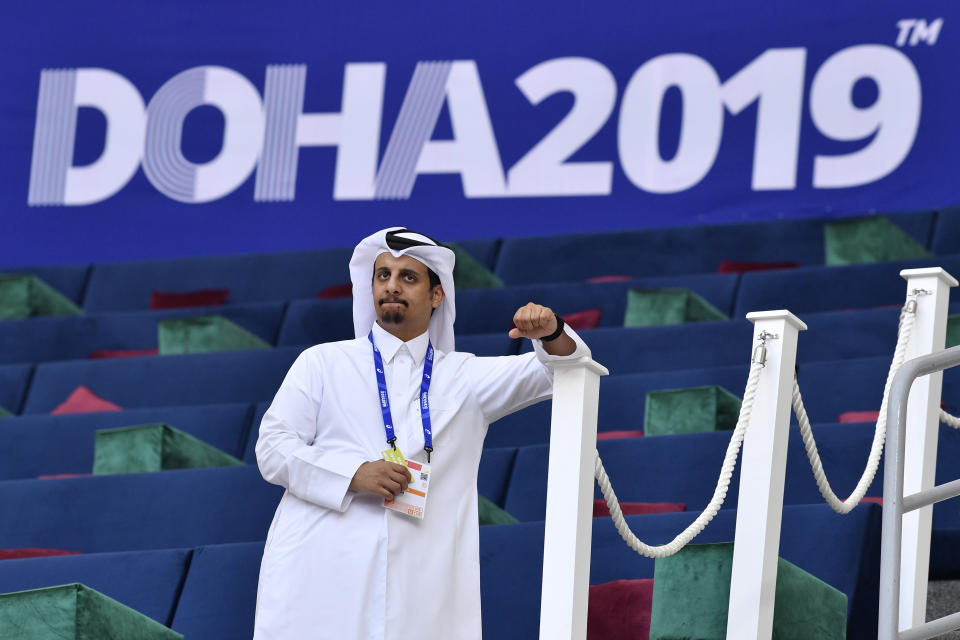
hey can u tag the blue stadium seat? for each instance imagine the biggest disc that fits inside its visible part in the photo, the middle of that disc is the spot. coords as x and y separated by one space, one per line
250 278
148 581
843 551
14 380
832 288
163 510
32 446
209 378
76 337
677 250
70 280
496 467
484 250
946 234
219 596
316 321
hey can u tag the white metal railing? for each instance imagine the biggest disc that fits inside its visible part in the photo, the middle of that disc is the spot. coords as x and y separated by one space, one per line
765 413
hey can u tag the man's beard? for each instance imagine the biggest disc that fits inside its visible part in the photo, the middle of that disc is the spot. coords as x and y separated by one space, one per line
392 317
395 316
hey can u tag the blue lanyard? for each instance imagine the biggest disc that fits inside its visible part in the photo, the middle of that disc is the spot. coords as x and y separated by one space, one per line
385 398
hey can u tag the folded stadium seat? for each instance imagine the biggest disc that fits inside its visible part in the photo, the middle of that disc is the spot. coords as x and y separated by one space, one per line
148 581
14 381
69 280
832 288
690 410
27 296
165 510
219 595
867 240
32 446
76 612
250 278
946 233
83 400
843 551
154 447
698 578
678 250
658 307
203 378
205 334
75 338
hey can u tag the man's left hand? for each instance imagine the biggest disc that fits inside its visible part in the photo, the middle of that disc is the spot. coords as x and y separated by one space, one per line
533 321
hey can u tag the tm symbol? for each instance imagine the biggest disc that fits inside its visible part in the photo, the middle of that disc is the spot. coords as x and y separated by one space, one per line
917 30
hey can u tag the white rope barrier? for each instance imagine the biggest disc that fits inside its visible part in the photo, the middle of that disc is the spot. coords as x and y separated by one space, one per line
949 420
719 494
908 317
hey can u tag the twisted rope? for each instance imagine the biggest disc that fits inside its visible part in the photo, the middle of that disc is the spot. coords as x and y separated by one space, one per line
908 317
719 494
949 420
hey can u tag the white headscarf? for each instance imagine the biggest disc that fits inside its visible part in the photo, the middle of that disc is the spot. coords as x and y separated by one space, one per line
439 259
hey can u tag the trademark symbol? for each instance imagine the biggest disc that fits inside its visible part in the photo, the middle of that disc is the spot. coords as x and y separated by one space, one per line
917 30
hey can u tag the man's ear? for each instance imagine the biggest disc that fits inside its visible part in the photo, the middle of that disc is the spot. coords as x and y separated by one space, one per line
437 296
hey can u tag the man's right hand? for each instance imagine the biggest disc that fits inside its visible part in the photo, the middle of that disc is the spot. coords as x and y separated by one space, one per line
381 478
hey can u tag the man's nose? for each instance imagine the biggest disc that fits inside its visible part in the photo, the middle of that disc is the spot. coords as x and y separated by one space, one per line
393 285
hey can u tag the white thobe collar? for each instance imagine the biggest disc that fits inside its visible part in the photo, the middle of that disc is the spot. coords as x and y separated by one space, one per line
389 344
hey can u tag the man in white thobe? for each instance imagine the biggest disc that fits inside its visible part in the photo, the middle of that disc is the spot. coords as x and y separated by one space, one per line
338 565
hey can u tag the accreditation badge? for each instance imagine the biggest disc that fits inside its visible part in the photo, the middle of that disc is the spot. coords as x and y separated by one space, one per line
413 501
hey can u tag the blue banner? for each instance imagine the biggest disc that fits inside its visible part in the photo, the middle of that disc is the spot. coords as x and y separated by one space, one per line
150 130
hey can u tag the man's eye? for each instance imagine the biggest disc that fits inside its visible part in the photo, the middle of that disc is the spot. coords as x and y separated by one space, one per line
411 278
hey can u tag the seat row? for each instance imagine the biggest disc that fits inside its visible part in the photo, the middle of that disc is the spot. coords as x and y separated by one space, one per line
568 258
484 316
679 469
209 591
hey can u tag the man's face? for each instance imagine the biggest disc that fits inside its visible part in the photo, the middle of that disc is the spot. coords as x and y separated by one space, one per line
402 294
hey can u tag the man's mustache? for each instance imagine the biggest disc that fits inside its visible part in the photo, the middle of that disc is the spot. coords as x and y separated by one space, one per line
383 301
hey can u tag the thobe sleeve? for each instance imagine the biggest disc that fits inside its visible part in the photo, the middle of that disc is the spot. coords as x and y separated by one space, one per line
506 384
287 451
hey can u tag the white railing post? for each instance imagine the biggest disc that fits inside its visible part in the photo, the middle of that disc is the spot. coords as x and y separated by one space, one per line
920 455
760 505
569 519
